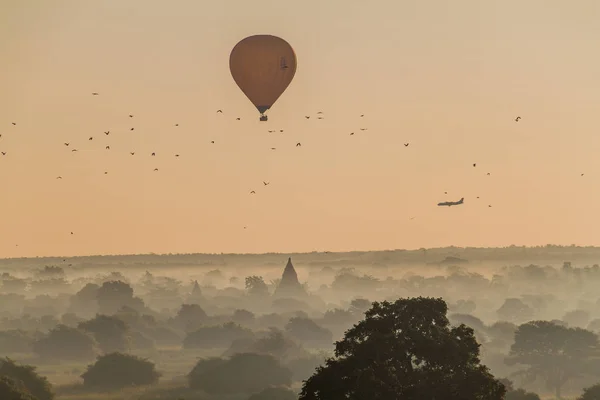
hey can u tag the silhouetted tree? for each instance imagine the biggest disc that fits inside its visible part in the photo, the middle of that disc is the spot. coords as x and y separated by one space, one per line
11 389
515 310
51 271
517 394
359 306
243 317
110 332
408 350
113 295
37 385
242 373
117 370
591 393
256 286
308 331
216 336
190 316
554 353
65 343
16 341
577 318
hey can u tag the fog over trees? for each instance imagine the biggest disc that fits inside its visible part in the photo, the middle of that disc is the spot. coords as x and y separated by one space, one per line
465 323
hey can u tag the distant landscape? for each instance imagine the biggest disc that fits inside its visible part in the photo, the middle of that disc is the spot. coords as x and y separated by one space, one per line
256 326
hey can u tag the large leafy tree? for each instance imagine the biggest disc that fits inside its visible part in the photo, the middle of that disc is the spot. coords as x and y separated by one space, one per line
10 389
554 353
26 377
404 350
590 393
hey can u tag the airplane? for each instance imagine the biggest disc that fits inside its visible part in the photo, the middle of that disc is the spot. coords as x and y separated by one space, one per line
452 203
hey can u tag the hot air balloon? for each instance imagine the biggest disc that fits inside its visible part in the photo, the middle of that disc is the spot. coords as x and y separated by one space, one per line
263 66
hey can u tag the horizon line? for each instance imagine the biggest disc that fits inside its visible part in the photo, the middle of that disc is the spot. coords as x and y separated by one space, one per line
301 253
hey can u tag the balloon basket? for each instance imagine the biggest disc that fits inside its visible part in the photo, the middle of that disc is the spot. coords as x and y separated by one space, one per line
263 118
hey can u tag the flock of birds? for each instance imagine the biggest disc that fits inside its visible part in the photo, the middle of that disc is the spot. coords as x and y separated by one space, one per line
319 116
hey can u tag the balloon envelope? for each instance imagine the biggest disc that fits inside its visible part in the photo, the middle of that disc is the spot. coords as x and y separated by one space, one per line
263 66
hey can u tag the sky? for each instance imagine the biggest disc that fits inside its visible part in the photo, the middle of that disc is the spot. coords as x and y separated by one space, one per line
447 77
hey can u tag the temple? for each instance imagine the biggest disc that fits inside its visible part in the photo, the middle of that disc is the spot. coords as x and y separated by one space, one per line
289 285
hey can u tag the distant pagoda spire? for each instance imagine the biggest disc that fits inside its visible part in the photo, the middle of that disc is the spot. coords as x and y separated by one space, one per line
289 285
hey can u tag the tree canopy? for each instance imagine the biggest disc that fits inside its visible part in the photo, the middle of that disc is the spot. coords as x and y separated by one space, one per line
26 376
11 389
554 353
408 350
118 370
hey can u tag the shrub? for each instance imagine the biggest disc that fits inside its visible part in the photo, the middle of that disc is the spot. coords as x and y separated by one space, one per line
118 370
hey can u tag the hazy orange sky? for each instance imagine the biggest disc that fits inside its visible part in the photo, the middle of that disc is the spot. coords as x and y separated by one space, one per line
447 76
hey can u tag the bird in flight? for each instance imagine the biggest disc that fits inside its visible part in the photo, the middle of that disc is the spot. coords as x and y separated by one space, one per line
474 164
266 183
220 111
59 177
319 117
153 154
66 144
488 173
406 144
176 155
71 233
95 94
271 131
130 116
74 150
281 130
212 141
273 148
107 133
156 169
105 172
176 124
3 153
582 174
363 129
351 133
307 116
14 123
517 119
320 112
107 147
298 144
362 115
132 153
131 129
91 138
253 192
238 118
